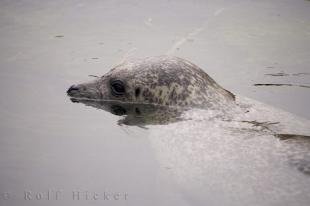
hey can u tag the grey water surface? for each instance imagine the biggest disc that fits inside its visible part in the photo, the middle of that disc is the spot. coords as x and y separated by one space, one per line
55 152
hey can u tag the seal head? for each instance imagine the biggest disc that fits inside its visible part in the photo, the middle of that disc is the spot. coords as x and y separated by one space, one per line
162 80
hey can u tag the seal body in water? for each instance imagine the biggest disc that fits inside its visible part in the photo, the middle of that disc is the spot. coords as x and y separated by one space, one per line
162 80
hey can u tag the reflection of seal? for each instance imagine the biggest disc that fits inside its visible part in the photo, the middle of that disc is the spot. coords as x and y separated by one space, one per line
137 114
162 80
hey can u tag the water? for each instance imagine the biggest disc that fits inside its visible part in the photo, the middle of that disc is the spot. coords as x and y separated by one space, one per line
49 143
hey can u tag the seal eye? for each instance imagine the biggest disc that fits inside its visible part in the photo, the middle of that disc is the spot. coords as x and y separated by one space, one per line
117 87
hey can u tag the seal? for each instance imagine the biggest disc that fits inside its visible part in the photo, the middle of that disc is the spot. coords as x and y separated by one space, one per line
243 140
245 130
160 80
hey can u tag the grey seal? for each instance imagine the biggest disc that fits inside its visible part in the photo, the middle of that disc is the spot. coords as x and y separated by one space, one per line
160 80
239 146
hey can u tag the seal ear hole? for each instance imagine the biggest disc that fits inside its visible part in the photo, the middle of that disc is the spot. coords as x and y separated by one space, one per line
137 92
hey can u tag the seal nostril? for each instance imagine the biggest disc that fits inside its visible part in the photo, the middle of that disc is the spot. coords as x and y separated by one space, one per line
73 88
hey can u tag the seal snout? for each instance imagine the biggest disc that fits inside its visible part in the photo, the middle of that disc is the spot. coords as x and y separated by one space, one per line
88 90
